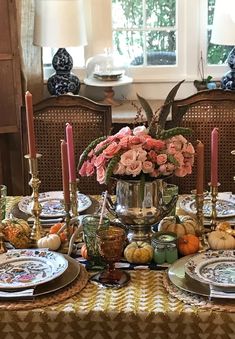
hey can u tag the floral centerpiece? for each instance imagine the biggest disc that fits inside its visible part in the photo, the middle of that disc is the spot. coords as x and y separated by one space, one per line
146 152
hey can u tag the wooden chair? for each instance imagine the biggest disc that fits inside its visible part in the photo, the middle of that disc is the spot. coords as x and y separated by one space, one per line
202 112
89 119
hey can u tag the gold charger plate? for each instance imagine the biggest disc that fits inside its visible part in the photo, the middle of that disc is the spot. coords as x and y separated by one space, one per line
71 273
177 276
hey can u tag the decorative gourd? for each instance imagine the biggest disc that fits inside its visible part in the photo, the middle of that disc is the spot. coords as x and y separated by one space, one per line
188 244
219 240
17 232
57 229
180 225
138 252
51 241
84 251
223 226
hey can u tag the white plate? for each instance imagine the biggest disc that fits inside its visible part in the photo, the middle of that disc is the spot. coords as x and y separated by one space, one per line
30 267
52 204
218 272
194 264
224 208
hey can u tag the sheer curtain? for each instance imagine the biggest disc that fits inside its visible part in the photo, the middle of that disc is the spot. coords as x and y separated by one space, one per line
31 56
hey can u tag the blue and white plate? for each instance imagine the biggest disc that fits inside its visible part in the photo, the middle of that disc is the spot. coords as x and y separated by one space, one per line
52 204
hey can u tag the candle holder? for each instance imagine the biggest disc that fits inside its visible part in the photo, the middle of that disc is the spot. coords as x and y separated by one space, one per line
214 194
73 198
200 220
65 246
34 182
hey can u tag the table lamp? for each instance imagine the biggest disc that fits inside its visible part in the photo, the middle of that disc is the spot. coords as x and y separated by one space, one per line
223 33
60 23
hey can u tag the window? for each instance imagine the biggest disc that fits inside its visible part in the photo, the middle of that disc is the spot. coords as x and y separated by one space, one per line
163 40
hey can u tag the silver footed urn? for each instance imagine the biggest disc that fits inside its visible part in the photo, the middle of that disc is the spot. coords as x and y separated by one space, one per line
140 205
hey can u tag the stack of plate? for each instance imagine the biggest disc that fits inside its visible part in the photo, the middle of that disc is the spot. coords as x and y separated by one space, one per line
52 206
29 273
211 274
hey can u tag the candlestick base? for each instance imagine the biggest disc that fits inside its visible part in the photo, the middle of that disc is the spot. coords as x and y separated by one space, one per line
65 246
74 198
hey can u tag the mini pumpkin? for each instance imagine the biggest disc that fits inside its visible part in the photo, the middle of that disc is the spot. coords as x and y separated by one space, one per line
56 229
84 251
188 244
180 225
223 226
17 232
51 241
220 240
138 252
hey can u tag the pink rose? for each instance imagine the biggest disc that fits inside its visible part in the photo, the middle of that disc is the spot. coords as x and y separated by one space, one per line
119 169
179 158
188 149
134 140
163 169
100 160
125 131
179 139
181 171
100 175
124 143
152 155
128 157
111 150
140 130
87 169
171 149
155 173
161 159
151 143
100 145
141 154
134 168
147 167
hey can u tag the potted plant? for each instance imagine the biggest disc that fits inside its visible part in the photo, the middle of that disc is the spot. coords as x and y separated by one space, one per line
204 83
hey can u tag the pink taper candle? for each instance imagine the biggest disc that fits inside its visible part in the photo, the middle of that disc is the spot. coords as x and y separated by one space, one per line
65 171
200 167
30 125
70 147
214 157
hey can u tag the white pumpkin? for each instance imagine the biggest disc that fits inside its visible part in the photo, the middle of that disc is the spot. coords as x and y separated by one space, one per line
51 241
180 225
220 240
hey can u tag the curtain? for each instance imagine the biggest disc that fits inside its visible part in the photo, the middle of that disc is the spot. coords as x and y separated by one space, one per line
31 56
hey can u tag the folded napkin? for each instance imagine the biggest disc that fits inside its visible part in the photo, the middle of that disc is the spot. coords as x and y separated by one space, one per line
17 294
222 292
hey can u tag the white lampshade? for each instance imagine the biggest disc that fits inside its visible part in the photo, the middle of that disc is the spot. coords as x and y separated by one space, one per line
59 23
223 30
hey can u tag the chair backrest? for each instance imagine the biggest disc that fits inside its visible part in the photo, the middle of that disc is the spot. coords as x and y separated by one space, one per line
89 119
202 112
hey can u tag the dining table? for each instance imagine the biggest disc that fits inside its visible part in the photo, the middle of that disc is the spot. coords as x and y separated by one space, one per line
148 307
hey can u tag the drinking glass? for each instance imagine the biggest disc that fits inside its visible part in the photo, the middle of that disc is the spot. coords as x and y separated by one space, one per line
91 223
3 194
110 244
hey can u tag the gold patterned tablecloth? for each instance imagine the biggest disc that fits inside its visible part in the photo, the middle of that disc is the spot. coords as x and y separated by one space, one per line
142 309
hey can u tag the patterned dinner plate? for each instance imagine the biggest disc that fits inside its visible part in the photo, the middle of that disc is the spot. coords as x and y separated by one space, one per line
205 267
224 208
52 204
218 272
30 267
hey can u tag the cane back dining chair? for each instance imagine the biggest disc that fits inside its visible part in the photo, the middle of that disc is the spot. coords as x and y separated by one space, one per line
89 119
202 112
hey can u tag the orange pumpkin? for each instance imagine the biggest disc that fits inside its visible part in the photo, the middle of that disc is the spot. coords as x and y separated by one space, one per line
188 244
55 230
84 251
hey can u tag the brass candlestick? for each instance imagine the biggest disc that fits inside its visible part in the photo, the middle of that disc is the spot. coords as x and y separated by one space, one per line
200 220
73 198
34 182
65 245
214 194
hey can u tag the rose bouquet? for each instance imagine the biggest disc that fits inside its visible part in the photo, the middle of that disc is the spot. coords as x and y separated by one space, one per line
144 152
